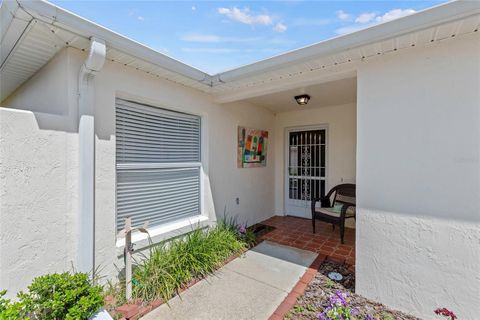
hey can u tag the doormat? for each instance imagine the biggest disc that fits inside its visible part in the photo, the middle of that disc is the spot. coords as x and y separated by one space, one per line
260 229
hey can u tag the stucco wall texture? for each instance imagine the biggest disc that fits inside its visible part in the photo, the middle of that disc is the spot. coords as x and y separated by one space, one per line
38 192
418 179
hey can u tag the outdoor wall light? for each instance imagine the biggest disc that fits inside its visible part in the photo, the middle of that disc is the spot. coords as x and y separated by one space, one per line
302 99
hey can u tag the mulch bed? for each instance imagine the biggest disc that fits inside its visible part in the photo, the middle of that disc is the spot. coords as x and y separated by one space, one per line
318 292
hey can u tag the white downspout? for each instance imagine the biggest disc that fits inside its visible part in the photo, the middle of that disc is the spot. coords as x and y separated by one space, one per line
86 132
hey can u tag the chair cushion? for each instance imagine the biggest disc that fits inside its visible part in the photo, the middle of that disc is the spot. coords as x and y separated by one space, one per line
337 207
345 199
331 212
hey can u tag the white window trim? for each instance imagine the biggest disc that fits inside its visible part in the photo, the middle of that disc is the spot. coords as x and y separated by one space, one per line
164 230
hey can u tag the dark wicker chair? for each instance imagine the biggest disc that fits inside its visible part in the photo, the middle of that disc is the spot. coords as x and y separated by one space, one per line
337 211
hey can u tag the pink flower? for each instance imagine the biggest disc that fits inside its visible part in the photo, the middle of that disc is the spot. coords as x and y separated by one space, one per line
446 313
242 229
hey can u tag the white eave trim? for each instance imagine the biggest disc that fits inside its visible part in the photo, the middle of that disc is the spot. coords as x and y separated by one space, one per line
445 13
427 18
64 19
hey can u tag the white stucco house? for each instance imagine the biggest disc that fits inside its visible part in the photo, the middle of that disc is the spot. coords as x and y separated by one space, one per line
398 105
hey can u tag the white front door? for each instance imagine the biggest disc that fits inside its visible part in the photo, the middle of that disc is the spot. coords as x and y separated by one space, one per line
305 169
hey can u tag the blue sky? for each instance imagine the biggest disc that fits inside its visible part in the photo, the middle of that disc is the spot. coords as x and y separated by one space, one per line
215 36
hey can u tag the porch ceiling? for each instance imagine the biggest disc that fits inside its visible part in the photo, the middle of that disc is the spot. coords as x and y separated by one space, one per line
324 94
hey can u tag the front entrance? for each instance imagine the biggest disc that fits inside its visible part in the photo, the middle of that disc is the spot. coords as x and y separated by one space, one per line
305 169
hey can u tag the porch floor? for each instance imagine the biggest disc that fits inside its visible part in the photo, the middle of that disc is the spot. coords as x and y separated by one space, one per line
297 232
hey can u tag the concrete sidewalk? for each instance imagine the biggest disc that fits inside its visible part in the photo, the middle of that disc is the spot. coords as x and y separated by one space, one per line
249 287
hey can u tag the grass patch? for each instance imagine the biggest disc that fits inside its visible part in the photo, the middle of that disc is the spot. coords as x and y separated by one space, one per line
172 265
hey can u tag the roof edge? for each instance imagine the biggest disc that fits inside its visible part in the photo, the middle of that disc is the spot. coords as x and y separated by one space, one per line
52 14
424 19
59 17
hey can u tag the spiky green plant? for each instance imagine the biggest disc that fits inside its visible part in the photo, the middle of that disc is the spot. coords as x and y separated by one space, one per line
170 266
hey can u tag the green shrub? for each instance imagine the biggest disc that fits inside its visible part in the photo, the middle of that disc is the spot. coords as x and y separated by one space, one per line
62 296
171 266
10 310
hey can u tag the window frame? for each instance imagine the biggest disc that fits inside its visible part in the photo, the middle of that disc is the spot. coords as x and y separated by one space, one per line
168 229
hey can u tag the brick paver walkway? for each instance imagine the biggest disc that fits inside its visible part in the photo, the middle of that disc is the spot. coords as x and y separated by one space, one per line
297 232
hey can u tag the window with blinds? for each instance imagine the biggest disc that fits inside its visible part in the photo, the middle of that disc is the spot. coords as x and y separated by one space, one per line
158 155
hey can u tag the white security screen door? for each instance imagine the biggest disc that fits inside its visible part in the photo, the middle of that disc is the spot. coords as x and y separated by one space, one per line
306 170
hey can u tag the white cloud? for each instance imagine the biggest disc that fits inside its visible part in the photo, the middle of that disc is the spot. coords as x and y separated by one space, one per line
342 15
280 27
369 19
133 13
394 14
366 17
194 8
212 38
245 16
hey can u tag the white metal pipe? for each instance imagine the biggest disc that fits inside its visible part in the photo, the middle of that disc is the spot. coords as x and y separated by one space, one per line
86 133
128 258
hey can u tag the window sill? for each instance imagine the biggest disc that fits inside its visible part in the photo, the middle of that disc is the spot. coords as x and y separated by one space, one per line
164 232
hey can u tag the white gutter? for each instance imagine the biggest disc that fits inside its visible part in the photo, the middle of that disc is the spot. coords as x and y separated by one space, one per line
425 19
86 132
438 15
69 21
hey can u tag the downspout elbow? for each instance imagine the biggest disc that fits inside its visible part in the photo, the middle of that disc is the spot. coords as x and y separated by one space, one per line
93 64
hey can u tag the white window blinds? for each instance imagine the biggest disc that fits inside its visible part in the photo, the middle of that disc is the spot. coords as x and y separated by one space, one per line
158 164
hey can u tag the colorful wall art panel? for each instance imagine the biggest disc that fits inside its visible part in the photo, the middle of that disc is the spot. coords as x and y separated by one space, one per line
252 148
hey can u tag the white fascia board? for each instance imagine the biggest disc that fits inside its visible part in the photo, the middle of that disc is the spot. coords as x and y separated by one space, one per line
428 18
64 19
340 72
